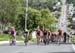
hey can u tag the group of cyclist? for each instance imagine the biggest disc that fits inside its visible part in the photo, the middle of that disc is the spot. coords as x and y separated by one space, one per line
46 36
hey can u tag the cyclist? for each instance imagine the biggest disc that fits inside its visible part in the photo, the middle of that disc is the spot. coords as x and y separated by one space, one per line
25 35
12 32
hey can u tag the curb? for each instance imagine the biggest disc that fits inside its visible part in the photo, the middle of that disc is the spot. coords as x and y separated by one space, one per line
4 42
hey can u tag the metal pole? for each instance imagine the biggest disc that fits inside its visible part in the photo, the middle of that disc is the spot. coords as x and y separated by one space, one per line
26 14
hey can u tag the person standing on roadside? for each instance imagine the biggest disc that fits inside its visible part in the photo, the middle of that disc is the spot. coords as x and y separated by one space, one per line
66 37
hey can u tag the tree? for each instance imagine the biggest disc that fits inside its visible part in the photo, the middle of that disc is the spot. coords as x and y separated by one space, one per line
70 1
13 11
9 10
34 18
47 18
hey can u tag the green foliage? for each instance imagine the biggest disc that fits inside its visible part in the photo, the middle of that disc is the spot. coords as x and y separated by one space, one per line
72 39
41 18
52 27
4 37
39 14
19 24
40 4
47 18
71 1
33 18
9 10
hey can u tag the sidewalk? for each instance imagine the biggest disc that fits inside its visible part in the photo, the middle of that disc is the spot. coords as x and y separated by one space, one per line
3 42
73 45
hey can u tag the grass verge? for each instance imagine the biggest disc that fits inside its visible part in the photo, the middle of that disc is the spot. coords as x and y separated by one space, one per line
6 37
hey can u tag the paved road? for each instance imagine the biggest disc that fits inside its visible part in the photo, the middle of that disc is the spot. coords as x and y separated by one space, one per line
33 48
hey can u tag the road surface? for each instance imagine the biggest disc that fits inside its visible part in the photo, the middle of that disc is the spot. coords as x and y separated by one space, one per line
33 48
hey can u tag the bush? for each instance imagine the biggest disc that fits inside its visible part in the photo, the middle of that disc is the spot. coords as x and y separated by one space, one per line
5 31
73 39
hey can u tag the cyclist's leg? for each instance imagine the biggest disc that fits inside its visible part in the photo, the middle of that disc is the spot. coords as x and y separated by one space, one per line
10 41
45 40
38 39
58 40
25 40
13 39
